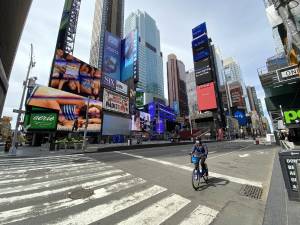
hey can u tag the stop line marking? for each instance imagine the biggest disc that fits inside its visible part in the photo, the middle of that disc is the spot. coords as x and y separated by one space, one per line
216 175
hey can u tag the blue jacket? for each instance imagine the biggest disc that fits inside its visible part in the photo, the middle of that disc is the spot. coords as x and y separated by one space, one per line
201 150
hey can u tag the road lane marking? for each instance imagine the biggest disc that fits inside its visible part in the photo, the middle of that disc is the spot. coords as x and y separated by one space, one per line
99 212
25 213
91 184
216 175
158 212
202 215
50 175
244 155
46 157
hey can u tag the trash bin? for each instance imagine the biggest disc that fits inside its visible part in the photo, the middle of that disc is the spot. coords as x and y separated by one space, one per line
129 141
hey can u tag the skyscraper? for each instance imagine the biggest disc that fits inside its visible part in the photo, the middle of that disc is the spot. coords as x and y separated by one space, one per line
232 70
150 69
191 90
108 16
15 14
177 85
219 66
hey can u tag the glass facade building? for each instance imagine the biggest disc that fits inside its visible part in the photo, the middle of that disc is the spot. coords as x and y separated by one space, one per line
108 16
150 62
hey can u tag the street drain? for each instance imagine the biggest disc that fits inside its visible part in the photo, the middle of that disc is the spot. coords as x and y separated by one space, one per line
80 193
80 161
251 191
37 173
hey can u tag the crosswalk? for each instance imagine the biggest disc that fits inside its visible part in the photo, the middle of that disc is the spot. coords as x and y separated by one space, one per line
41 191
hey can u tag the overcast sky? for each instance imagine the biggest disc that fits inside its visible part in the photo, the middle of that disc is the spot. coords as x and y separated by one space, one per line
238 27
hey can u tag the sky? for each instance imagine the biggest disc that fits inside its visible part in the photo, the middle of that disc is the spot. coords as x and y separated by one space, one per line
238 27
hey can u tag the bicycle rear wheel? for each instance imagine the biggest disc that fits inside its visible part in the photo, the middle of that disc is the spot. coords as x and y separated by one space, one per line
196 179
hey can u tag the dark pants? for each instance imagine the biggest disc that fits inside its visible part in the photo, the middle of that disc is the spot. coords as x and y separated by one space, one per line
202 163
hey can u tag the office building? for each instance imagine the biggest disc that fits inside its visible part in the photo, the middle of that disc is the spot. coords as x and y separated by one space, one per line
255 102
219 66
11 27
177 94
232 70
108 16
191 92
150 69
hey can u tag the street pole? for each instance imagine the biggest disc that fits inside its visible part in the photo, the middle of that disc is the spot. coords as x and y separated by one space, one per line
86 125
227 89
13 149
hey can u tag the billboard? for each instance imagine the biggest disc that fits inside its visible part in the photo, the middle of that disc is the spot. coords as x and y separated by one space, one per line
139 99
75 76
240 115
140 121
121 88
199 30
291 116
111 65
201 52
71 108
200 41
114 85
129 56
203 72
115 125
288 73
40 119
115 102
206 97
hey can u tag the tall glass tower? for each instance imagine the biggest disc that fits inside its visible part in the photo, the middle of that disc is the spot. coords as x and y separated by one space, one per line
150 61
108 16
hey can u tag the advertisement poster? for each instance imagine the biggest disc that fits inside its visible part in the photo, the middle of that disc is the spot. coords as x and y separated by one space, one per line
241 117
75 76
71 108
199 30
121 88
112 56
139 99
206 97
203 72
136 122
109 82
115 102
140 121
129 56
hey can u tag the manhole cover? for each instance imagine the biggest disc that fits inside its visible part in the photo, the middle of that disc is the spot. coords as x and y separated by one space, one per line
37 173
80 193
251 191
80 160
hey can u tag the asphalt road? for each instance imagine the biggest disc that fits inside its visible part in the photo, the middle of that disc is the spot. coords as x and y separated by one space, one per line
142 186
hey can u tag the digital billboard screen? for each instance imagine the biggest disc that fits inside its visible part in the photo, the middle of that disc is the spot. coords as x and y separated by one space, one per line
240 115
111 65
129 56
75 76
115 125
199 41
203 72
72 108
115 102
206 97
201 52
199 30
140 121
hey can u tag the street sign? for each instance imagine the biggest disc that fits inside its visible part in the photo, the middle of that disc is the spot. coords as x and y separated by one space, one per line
290 166
17 111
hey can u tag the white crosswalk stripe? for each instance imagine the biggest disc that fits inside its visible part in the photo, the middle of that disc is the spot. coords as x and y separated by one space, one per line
37 189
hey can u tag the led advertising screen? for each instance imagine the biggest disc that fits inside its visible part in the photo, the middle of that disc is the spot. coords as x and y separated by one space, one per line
199 41
40 119
114 85
111 65
115 125
203 72
201 52
140 121
115 102
240 115
72 108
129 56
206 97
199 30
75 76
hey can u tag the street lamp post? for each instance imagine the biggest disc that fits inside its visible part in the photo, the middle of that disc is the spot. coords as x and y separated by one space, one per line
13 149
86 125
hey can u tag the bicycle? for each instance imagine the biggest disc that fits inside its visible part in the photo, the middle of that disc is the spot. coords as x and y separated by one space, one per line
198 173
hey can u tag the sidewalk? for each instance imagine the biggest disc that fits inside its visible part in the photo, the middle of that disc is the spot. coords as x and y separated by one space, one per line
279 209
31 151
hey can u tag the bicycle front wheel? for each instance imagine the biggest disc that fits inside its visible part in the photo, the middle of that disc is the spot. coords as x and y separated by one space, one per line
196 179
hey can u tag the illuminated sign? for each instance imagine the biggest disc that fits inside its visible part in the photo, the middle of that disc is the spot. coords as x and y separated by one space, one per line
292 116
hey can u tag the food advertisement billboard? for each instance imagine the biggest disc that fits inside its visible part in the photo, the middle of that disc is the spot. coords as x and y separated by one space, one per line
129 56
111 64
115 102
206 97
75 76
71 108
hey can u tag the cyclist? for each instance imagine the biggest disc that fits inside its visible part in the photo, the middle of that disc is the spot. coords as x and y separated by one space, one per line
200 151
